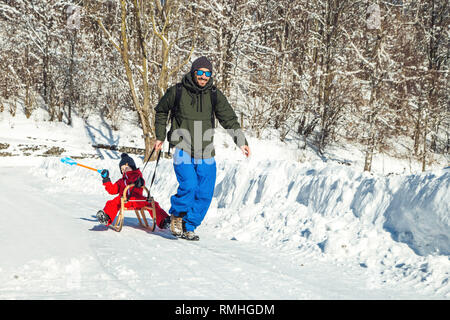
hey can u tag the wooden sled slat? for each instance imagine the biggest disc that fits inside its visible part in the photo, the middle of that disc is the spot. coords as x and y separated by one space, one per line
140 213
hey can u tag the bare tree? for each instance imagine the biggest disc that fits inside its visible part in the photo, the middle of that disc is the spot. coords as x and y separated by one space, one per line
133 43
431 21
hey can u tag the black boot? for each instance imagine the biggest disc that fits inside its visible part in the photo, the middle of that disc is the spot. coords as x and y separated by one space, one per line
166 223
190 235
103 218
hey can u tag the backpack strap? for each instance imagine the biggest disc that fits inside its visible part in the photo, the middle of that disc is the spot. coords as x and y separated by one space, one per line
213 105
176 104
174 110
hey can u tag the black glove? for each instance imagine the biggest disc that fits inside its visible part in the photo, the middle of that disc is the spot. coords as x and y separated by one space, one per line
139 183
105 175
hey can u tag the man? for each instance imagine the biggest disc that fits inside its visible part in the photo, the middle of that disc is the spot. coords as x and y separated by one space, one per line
192 123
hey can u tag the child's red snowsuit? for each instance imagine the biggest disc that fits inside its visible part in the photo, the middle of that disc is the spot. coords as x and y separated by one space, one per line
112 207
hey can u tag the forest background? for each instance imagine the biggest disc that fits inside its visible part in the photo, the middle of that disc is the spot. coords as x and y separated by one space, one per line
369 73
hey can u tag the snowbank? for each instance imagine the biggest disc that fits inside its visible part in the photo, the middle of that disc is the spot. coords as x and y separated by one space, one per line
419 213
396 225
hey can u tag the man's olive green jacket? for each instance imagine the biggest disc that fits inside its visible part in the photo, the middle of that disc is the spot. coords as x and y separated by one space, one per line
192 125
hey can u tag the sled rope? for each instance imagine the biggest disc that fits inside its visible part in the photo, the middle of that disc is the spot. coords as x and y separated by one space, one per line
156 165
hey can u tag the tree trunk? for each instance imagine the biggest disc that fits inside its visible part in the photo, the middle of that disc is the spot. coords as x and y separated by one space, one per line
71 71
424 142
417 133
45 62
369 153
372 134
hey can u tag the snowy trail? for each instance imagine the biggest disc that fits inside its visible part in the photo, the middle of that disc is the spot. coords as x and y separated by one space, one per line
53 248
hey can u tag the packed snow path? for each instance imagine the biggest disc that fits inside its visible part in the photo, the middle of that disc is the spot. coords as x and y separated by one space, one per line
53 248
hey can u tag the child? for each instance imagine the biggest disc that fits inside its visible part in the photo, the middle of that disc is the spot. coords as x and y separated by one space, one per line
130 175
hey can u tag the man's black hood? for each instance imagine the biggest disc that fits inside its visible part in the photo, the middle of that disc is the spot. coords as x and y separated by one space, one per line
195 91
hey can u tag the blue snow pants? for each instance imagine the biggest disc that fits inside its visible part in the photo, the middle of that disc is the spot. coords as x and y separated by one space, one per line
196 179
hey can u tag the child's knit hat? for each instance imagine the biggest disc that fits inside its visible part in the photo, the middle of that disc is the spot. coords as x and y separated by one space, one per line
125 158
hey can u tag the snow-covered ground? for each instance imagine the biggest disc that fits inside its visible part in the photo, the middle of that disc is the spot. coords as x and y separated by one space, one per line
284 224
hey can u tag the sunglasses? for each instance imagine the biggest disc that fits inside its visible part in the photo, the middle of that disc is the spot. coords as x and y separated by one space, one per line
201 72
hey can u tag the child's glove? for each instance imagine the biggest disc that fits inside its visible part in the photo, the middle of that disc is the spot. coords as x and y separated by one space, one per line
139 183
105 175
